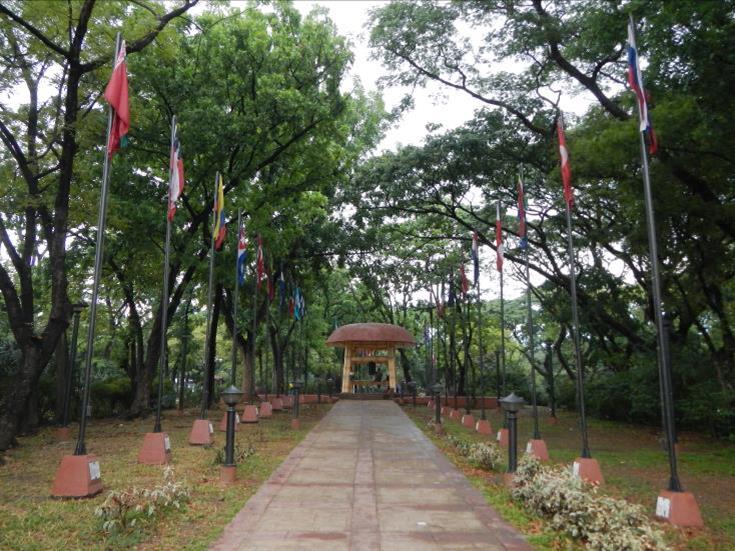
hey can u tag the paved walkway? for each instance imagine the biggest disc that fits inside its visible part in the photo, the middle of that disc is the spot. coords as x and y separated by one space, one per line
366 478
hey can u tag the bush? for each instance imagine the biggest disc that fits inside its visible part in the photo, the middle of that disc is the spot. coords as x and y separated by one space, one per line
572 506
481 454
124 510
240 455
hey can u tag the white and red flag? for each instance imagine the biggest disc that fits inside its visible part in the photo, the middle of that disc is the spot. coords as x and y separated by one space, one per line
635 80
566 170
260 263
176 171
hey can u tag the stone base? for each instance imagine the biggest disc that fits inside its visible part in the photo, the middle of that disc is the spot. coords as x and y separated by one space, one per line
468 421
156 449
250 414
201 433
552 421
277 404
438 429
509 480
62 434
77 476
430 404
444 410
588 469
287 402
266 410
538 449
454 415
295 424
223 423
502 438
227 475
483 427
679 509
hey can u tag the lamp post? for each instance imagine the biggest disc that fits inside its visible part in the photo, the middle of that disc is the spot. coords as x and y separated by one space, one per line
512 404
76 311
330 386
436 389
412 388
295 423
231 397
403 387
497 373
318 382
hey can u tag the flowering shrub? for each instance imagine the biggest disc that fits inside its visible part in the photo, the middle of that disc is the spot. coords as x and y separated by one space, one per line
484 455
125 509
241 453
572 506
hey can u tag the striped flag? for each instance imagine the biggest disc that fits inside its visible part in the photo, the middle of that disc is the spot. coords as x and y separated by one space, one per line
464 282
242 257
282 287
116 94
220 227
522 215
498 238
475 257
635 80
566 170
176 175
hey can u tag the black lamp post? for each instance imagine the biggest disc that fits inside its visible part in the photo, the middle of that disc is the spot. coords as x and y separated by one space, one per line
231 397
412 388
497 374
77 310
437 390
511 404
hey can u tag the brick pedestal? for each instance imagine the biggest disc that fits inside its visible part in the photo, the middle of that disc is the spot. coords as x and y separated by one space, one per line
156 449
483 427
266 410
250 414
468 421
223 423
227 475
588 469
201 433
62 434
77 476
295 424
502 438
537 448
277 404
679 509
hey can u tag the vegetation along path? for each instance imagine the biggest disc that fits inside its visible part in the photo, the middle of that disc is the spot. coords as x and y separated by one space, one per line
367 478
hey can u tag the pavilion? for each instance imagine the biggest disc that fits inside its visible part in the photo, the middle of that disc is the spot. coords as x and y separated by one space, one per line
365 344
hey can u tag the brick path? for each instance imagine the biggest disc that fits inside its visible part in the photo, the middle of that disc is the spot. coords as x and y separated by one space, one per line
366 478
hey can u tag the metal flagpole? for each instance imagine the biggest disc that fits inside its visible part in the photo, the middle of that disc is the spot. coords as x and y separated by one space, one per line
575 336
164 297
81 448
502 316
483 415
235 298
205 371
664 359
251 374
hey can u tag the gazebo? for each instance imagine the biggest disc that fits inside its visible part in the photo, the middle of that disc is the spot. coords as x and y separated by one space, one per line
369 343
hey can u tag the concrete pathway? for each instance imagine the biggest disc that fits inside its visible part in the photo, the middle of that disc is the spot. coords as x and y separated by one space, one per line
366 478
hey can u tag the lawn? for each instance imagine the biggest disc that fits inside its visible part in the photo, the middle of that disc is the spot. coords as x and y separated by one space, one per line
633 463
30 519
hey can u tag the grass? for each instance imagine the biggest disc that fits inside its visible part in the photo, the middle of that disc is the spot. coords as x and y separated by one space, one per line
30 519
635 468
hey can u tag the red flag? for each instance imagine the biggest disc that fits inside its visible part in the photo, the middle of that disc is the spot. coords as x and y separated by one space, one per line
260 265
116 95
566 170
498 239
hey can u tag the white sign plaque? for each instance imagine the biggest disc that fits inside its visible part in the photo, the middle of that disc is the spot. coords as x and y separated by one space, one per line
94 470
237 418
575 469
663 507
497 437
211 429
529 448
166 443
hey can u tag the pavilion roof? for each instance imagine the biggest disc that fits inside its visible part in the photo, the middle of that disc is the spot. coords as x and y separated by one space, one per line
367 334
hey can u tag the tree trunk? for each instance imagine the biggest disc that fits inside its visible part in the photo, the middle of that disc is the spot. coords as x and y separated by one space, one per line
63 372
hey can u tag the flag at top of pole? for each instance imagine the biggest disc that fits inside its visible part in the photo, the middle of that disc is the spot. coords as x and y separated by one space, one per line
242 257
522 215
475 257
176 174
566 170
116 94
635 80
220 227
498 238
259 263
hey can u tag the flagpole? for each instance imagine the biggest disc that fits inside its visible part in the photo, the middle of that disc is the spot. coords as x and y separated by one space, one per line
664 358
251 375
164 297
483 415
575 336
235 297
81 448
208 333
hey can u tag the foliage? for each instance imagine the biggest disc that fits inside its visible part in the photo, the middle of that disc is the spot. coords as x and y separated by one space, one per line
241 453
577 508
485 455
125 510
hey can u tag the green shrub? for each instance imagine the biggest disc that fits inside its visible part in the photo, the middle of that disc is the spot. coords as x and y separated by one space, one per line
240 455
575 507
